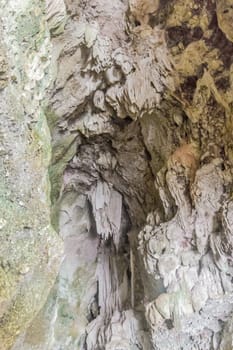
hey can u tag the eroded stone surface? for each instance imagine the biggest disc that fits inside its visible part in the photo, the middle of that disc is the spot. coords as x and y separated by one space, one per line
140 114
30 251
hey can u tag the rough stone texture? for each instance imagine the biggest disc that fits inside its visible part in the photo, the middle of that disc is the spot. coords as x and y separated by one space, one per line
140 113
30 250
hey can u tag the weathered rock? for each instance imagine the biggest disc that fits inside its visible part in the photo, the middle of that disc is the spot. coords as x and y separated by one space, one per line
31 250
140 114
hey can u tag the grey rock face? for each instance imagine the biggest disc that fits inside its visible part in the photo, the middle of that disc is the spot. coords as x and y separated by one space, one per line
30 249
140 115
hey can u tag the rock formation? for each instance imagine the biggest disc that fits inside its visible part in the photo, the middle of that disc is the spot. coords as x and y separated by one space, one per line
116 143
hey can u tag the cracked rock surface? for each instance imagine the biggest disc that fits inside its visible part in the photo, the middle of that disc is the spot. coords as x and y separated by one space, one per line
138 98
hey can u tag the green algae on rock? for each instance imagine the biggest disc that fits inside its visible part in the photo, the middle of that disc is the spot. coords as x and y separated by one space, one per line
31 250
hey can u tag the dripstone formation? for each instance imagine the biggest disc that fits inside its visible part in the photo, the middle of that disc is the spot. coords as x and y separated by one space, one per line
116 181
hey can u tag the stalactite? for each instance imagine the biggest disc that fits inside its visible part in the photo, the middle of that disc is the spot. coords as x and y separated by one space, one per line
138 97
132 280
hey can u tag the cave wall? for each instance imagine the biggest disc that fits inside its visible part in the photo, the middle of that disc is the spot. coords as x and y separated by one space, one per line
30 249
137 96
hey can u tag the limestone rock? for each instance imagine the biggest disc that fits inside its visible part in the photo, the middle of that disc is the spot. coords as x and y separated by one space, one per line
138 98
56 15
31 250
